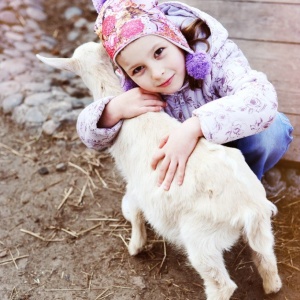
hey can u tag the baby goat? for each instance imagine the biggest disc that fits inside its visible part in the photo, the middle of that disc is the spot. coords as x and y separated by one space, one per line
220 198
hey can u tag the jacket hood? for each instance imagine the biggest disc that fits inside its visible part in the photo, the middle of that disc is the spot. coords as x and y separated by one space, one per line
182 15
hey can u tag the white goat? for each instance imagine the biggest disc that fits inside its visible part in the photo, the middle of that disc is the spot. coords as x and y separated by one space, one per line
220 198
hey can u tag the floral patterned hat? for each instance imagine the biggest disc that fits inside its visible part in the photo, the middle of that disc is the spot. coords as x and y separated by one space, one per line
120 22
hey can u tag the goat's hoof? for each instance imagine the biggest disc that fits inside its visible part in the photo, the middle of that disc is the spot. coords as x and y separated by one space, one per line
273 285
222 293
133 250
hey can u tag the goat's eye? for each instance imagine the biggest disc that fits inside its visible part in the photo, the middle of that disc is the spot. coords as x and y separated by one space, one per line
137 70
158 52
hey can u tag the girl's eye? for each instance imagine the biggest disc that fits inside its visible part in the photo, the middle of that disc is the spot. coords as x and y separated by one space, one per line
158 52
137 70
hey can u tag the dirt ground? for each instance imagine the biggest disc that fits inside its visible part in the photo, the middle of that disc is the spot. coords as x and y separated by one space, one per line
62 234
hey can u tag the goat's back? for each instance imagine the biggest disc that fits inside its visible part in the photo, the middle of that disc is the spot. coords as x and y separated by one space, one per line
218 183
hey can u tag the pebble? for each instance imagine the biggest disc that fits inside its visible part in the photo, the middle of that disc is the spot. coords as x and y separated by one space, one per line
61 167
50 127
72 12
293 177
43 171
10 102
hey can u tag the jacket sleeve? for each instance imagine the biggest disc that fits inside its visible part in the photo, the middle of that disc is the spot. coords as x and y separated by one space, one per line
92 136
241 101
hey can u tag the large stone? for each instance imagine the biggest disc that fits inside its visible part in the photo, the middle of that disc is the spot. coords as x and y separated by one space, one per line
36 14
8 88
11 102
8 17
34 116
38 99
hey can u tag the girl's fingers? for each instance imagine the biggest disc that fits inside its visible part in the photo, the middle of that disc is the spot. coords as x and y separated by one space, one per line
180 173
169 175
163 141
146 109
151 94
163 168
152 102
157 157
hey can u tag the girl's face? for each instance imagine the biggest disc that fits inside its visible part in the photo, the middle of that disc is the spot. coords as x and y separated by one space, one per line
154 64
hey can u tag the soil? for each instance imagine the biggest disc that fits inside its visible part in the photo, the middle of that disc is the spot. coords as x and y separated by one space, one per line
62 234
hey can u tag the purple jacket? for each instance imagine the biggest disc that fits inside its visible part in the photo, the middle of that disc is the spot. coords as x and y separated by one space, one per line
234 101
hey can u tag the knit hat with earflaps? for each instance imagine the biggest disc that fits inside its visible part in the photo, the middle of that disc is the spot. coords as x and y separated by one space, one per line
120 22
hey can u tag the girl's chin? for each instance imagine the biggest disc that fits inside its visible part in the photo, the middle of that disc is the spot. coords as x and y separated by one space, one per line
171 90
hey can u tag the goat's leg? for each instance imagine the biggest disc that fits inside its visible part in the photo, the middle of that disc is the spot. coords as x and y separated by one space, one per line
133 214
209 263
261 241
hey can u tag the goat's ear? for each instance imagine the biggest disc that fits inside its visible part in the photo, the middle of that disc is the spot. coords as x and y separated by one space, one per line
69 64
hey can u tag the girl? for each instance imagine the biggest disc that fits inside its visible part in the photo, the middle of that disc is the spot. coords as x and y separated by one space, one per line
176 58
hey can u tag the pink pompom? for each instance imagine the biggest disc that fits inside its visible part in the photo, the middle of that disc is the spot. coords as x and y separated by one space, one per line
198 65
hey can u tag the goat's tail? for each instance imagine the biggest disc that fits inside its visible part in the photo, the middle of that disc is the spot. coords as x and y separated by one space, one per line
258 227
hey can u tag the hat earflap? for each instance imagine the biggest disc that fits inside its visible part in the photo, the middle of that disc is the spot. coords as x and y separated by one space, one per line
198 64
128 84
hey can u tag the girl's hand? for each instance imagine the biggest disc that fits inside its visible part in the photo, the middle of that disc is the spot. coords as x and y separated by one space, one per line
130 104
174 151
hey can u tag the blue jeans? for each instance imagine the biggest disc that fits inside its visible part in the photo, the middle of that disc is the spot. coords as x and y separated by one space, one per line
263 150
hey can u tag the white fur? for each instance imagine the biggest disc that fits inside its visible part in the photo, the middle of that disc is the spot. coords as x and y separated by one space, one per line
220 198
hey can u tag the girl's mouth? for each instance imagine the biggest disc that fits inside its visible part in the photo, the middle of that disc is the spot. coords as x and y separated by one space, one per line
167 83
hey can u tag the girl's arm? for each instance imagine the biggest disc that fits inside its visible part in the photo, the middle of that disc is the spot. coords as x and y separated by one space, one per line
99 123
244 101
90 133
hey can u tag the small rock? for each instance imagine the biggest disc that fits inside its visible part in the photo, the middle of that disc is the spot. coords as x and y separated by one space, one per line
38 98
43 171
11 102
36 14
293 178
8 17
61 167
73 35
15 66
80 23
138 281
76 103
50 126
72 12
19 113
37 87
273 177
14 36
3 253
35 116
9 87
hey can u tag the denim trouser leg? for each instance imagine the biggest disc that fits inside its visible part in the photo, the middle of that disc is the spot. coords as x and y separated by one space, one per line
263 150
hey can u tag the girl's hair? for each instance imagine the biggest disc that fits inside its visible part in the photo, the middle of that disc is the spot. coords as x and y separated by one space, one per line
191 34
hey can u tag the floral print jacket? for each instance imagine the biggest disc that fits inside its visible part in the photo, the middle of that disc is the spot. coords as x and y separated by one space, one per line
234 101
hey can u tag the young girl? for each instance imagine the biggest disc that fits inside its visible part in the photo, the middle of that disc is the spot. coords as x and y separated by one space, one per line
176 58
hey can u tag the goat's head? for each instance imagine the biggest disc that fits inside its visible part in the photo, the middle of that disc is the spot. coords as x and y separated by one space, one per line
91 62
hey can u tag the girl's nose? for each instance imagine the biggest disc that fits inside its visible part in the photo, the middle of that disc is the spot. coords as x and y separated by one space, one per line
157 71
